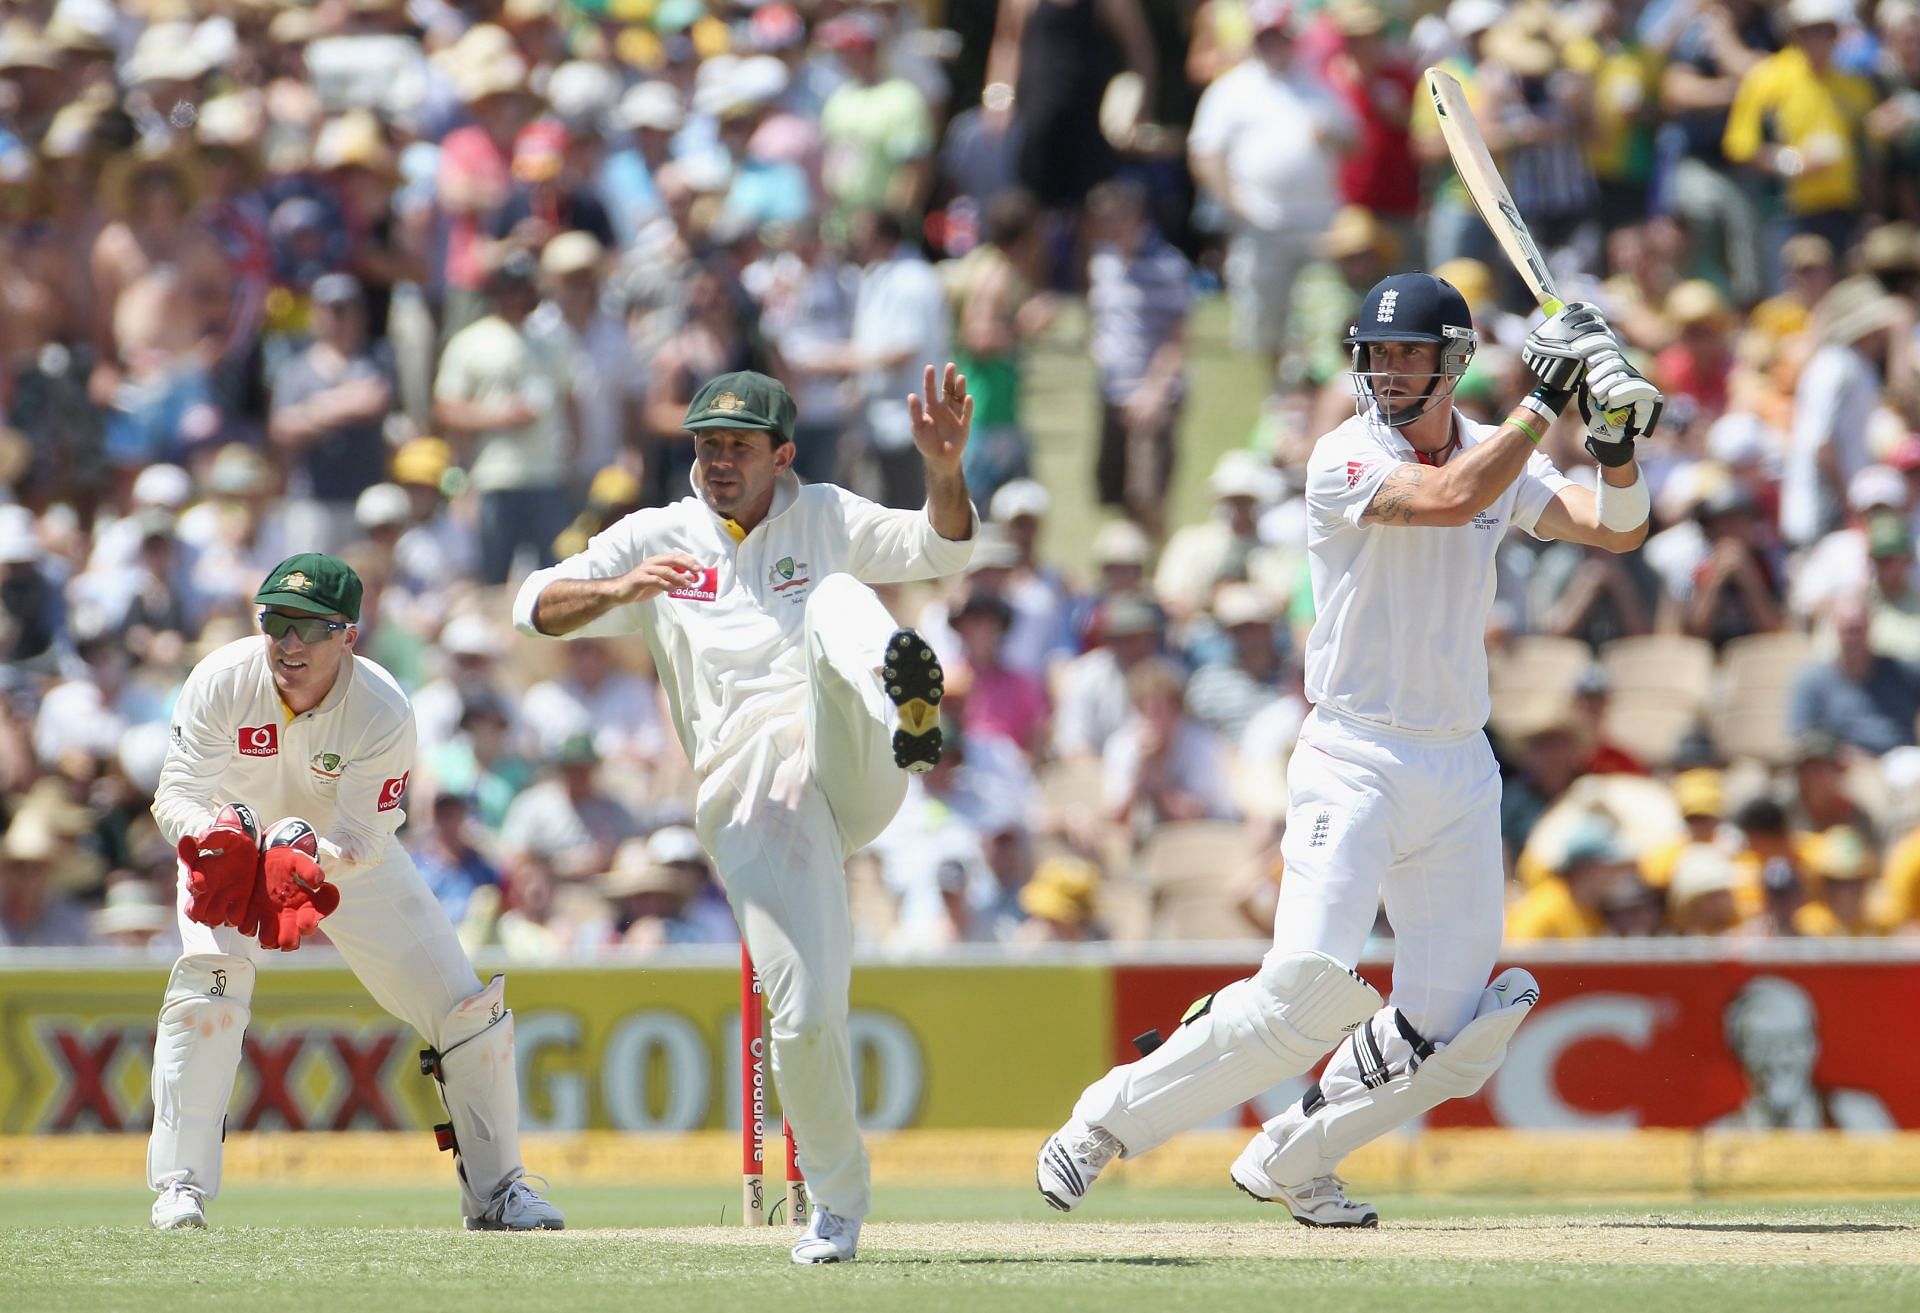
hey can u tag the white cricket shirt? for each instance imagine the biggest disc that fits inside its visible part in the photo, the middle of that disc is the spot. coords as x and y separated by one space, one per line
729 651
1400 612
341 767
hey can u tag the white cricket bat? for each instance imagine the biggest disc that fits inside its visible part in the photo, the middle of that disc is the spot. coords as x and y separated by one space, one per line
1474 164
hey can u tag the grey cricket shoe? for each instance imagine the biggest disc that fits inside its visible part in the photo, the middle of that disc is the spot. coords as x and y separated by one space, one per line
180 1207
830 1238
519 1208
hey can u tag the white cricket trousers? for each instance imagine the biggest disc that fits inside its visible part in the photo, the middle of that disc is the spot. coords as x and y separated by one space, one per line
1415 820
780 817
393 934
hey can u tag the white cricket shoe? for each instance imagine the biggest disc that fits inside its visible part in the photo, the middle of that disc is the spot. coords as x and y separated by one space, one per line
518 1208
1320 1202
1071 1160
830 1238
180 1207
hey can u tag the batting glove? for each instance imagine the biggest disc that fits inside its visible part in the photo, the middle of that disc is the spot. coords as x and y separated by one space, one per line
1557 350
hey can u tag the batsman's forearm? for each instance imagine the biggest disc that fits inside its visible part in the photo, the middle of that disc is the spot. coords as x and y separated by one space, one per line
1475 479
567 604
948 504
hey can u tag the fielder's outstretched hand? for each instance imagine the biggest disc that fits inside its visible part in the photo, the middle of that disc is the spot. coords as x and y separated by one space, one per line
942 422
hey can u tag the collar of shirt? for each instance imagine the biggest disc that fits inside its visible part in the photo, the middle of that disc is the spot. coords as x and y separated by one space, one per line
786 489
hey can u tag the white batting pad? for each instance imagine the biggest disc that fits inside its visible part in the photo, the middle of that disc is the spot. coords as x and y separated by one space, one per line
196 1055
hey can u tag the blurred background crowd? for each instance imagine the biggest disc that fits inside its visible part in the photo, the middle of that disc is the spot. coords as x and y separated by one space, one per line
429 283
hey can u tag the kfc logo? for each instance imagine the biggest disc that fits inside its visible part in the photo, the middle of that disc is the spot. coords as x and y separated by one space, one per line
707 589
259 740
391 792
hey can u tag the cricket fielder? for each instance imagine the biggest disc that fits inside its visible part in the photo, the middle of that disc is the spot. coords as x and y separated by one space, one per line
292 723
797 701
1393 788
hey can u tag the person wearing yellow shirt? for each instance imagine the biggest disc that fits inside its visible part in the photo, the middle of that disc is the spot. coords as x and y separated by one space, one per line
1798 118
1700 899
1806 261
1702 796
1570 903
1843 868
1897 901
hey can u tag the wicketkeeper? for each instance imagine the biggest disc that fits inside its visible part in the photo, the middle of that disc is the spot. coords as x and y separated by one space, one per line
293 724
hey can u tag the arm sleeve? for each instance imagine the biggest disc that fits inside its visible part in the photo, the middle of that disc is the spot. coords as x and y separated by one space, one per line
1213 118
199 747
609 554
454 381
1803 702
372 788
886 546
1741 141
1539 484
1342 477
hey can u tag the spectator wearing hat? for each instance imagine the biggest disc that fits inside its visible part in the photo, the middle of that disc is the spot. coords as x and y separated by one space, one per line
771 154
1896 904
1807 264
574 320
1622 72
470 646
1091 701
876 131
233 535
474 177
568 822
1200 556
1060 902
1798 120
996 311
481 759
1733 588
1005 702
1697 365
506 395
1702 898
594 696
1139 297
1041 598
435 547
1823 796
1571 902
551 192
1837 393
806 290
447 858
546 920
1891 253
1279 189
650 113
1702 797
132 920
1247 673
1161 765
229 133
1121 554
353 154
1370 73
713 336
1838 565
1861 698
1838 895
649 901
1893 601
1541 756
33 912
330 404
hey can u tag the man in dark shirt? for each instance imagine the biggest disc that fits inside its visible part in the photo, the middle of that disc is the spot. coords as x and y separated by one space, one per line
330 406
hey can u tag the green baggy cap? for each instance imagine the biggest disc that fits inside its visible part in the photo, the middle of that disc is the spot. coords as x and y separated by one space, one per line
313 581
743 400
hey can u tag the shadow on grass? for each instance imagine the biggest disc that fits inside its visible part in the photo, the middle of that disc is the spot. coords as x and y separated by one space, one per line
1759 1228
1050 1260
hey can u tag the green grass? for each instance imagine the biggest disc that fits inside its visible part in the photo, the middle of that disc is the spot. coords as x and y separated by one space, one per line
391 1249
1224 392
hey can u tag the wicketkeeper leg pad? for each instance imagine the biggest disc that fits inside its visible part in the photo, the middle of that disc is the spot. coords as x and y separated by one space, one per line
196 1055
1231 1046
481 1089
1386 1074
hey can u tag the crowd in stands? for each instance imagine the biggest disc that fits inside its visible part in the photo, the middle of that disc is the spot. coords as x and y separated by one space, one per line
429 284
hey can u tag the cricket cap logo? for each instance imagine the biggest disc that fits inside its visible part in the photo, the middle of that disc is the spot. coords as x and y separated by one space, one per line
728 402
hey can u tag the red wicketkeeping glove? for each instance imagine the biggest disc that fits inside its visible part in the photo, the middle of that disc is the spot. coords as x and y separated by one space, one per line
223 870
294 895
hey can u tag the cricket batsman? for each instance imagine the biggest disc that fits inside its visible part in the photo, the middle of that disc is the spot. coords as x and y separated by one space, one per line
798 702
1393 789
292 733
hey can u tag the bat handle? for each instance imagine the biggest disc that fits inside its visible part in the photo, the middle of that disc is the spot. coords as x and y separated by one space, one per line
1553 305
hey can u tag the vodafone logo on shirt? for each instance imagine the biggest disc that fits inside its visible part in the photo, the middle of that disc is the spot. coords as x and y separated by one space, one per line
707 589
259 740
391 792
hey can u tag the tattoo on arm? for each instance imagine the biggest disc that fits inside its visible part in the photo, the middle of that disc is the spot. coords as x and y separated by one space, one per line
1393 501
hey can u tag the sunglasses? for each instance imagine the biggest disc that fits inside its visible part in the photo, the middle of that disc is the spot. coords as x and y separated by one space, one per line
312 629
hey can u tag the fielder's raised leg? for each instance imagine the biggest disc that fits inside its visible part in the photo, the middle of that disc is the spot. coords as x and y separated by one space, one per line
294 724
1393 790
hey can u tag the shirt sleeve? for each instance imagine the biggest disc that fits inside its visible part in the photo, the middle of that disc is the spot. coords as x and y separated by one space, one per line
1213 118
1539 484
1741 141
608 555
1342 476
372 788
199 748
454 381
887 546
